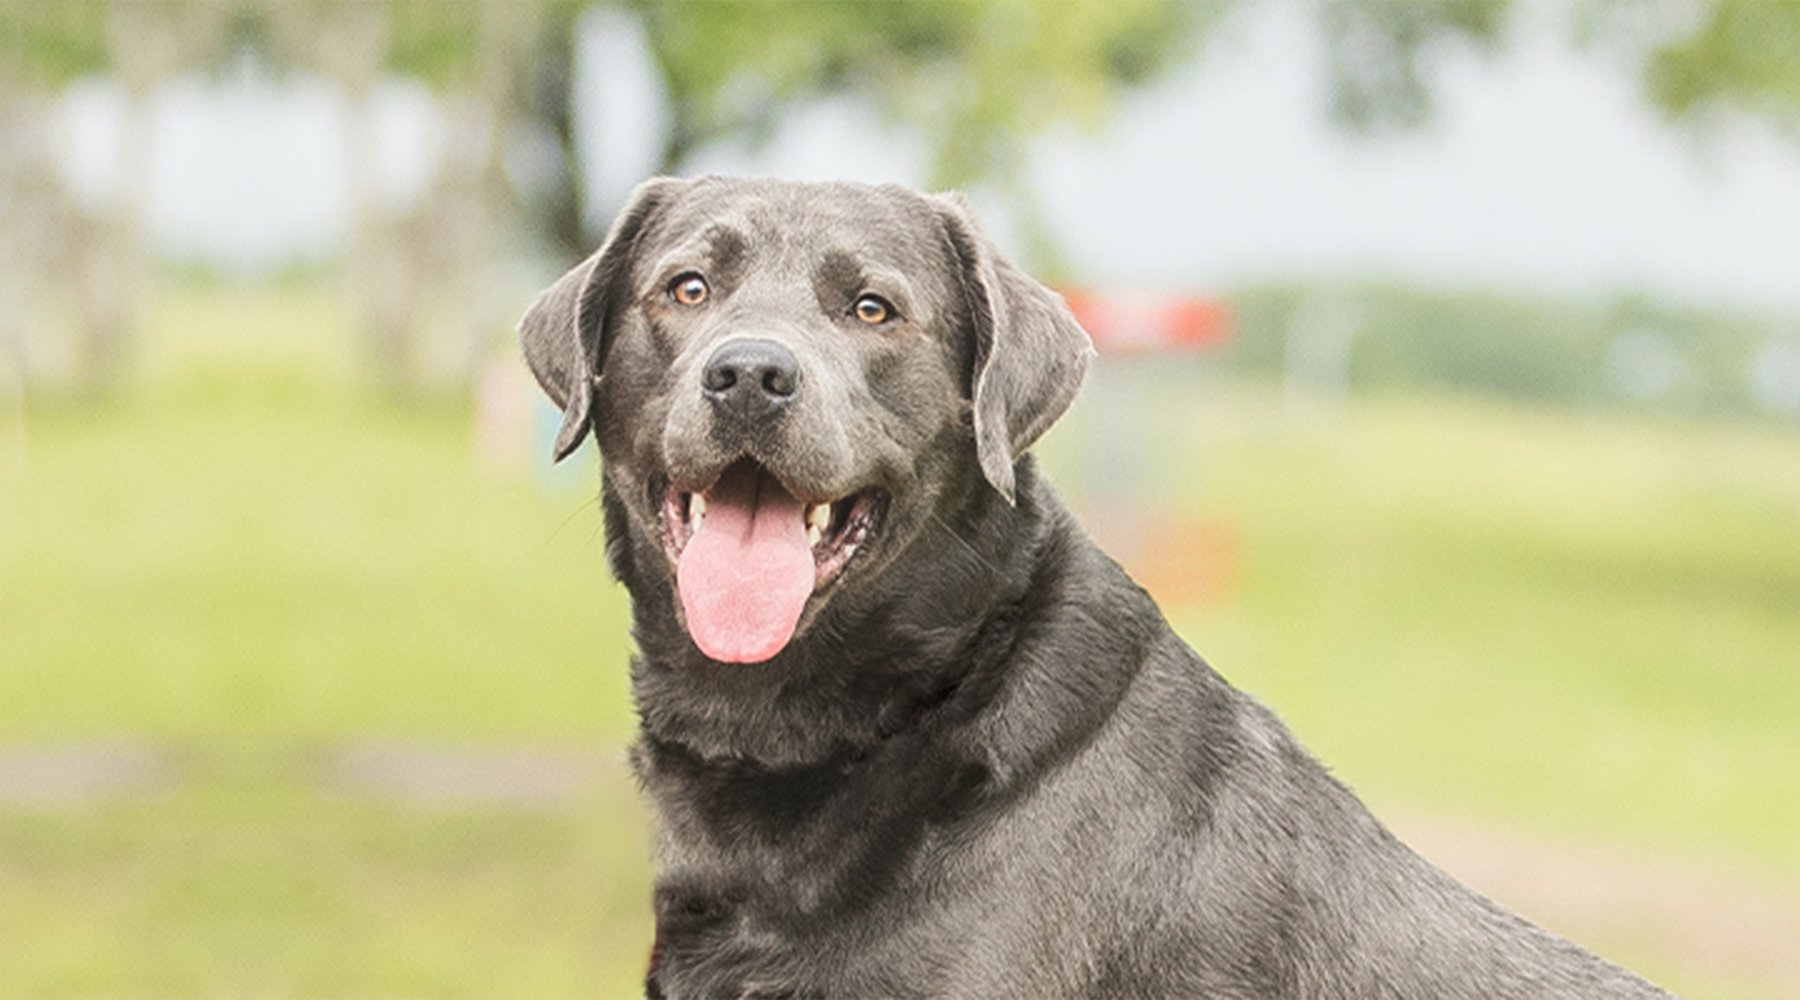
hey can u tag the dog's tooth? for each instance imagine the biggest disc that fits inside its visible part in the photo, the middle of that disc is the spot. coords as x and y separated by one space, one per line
696 510
818 518
813 534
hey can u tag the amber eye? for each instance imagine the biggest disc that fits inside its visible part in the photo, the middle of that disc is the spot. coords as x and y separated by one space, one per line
688 289
873 310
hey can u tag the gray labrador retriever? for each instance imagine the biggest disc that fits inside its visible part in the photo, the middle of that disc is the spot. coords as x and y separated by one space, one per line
907 731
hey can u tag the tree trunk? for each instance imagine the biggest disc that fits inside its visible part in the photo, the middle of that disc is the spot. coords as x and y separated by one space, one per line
559 210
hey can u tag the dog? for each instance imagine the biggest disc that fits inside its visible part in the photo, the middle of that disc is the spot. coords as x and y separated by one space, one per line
906 730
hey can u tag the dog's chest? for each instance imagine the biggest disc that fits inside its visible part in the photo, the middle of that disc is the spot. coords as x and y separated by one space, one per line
745 923
791 884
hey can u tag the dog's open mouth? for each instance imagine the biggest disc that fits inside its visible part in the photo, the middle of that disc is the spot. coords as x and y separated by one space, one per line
749 554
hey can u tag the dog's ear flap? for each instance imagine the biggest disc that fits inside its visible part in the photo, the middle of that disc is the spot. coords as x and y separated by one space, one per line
1029 357
562 331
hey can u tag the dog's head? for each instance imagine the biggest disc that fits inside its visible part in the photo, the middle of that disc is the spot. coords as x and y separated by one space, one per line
785 378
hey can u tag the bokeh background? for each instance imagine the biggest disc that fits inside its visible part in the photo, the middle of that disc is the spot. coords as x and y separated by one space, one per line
1449 400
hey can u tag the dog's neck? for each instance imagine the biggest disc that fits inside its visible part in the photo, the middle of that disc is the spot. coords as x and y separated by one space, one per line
982 683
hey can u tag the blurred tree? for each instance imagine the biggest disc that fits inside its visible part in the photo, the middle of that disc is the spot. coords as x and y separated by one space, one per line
349 44
422 274
980 75
556 204
1696 58
65 255
979 78
40 51
147 44
51 44
1742 54
1380 54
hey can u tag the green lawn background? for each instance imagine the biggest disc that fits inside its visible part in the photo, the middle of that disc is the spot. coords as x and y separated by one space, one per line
248 566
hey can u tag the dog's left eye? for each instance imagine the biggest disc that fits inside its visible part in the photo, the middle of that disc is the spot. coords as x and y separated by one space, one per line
873 310
689 289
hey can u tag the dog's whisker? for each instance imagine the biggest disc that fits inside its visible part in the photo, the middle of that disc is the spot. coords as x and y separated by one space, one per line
592 503
935 518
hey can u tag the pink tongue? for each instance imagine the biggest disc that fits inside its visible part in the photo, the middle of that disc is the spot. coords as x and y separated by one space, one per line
746 574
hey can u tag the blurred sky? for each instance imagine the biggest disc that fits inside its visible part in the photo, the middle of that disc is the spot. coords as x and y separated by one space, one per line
1544 171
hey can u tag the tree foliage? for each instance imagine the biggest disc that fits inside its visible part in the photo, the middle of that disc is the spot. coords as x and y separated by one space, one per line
1379 53
1742 54
49 44
977 76
433 41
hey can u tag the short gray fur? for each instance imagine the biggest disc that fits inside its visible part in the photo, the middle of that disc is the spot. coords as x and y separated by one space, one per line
985 766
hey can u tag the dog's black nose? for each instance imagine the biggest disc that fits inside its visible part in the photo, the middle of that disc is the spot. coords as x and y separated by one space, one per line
752 375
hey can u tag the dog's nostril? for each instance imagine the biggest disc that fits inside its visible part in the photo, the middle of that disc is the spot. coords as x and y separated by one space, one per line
778 381
718 378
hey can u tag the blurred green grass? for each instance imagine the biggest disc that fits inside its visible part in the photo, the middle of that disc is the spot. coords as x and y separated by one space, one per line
1567 623
250 544
250 558
251 882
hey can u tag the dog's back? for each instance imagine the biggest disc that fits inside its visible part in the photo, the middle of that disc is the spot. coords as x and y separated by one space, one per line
1231 865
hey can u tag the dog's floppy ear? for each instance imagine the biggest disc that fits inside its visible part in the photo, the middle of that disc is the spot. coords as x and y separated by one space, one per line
1029 353
562 331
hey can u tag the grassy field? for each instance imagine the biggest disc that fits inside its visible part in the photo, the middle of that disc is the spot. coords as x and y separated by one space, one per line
298 698
245 564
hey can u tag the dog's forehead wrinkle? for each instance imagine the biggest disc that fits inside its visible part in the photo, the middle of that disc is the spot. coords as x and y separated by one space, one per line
862 221
838 274
841 275
721 252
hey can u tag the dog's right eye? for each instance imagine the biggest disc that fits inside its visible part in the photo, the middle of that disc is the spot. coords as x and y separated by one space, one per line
688 289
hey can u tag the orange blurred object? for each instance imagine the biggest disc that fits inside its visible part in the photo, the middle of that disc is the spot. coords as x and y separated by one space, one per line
1150 322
